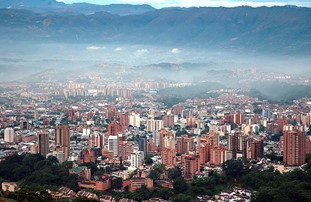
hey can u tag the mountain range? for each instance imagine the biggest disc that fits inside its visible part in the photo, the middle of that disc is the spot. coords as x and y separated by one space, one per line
285 30
53 6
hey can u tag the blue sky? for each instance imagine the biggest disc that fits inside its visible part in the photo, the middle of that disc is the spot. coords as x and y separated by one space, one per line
190 3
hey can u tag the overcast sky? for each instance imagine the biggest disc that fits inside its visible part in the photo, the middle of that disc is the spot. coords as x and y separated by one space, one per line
190 3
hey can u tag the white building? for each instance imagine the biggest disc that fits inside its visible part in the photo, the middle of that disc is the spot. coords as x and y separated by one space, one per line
137 159
134 120
86 132
9 135
154 125
113 145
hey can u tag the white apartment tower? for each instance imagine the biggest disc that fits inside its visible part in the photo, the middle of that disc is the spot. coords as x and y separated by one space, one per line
9 135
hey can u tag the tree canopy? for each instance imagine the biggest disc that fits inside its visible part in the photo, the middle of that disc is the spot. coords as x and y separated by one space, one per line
34 170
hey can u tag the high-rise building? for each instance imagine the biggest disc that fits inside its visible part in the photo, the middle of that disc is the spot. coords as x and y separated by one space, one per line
294 147
191 121
156 138
112 112
124 121
160 139
168 152
204 153
43 142
134 120
86 156
96 140
114 128
125 149
154 125
62 139
234 144
137 159
9 135
191 166
257 149
238 118
169 142
113 145
151 147
168 157
184 144
178 109
218 155
168 121
213 138
142 144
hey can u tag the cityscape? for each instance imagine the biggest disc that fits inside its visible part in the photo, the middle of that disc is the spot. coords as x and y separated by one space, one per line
164 127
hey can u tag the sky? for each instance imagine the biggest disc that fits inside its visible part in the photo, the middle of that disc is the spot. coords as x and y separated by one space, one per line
198 3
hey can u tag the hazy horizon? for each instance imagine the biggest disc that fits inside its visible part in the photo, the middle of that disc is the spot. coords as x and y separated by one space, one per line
196 3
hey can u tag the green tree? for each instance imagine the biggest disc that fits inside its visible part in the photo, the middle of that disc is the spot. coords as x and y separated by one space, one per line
174 173
141 194
164 193
148 159
180 185
182 198
52 160
116 183
234 168
158 169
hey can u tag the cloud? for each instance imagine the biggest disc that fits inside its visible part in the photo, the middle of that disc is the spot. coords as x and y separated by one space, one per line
175 51
94 48
118 49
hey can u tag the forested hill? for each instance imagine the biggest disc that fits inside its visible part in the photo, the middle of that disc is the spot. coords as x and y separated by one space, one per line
277 29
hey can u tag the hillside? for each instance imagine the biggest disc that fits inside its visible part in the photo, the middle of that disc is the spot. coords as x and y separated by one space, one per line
53 6
275 29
